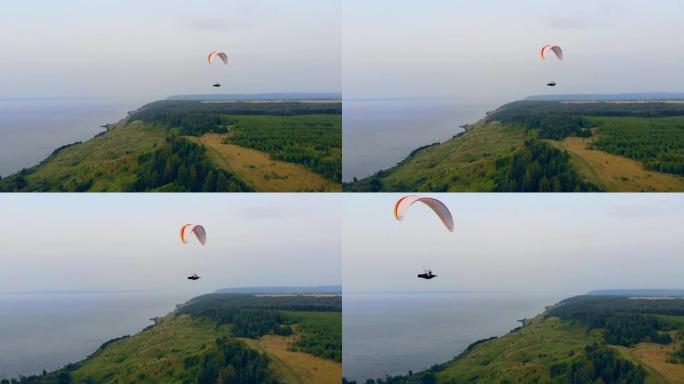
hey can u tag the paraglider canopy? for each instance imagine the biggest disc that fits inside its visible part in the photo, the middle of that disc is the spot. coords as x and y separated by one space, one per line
221 55
198 230
551 48
403 204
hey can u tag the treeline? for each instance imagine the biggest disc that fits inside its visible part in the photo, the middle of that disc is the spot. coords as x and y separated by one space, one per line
220 301
538 167
677 357
312 141
658 146
634 109
286 108
230 362
254 323
184 165
320 338
624 321
190 123
598 365
556 126
249 315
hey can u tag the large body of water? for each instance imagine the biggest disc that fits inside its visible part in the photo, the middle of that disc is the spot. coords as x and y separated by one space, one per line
390 334
31 129
46 331
377 134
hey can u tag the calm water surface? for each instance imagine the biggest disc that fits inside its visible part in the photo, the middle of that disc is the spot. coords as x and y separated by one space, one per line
31 129
390 334
377 134
47 331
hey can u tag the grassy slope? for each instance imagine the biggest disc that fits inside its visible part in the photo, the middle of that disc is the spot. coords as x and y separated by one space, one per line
261 172
157 355
521 355
152 356
110 159
527 354
466 163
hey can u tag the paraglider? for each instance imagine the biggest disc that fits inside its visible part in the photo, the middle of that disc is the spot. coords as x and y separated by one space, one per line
222 56
427 274
556 51
198 230
200 234
551 48
403 204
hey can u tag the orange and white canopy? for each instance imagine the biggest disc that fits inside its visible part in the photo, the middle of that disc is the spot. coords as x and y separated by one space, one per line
551 48
220 55
198 230
403 204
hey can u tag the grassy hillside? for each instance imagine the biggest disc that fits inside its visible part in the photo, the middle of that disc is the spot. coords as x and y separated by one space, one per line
594 146
178 146
586 339
223 338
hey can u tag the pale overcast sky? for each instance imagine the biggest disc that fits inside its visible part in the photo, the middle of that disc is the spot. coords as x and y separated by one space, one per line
490 49
151 49
516 242
131 241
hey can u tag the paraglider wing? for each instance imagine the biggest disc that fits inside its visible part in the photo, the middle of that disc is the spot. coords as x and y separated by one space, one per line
201 234
182 233
221 55
403 204
551 48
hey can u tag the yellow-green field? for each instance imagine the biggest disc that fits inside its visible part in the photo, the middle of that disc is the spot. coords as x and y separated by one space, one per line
653 357
259 170
297 367
615 173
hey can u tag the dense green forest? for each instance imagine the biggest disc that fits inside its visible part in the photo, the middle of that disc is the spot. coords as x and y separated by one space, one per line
157 110
634 109
550 125
180 165
309 134
538 167
254 316
314 141
321 335
625 321
230 362
656 143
